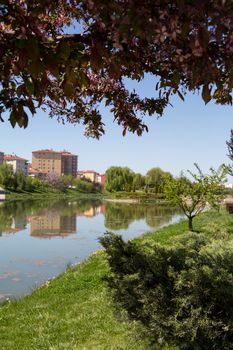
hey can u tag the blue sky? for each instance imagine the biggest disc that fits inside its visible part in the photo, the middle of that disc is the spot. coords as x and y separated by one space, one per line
188 132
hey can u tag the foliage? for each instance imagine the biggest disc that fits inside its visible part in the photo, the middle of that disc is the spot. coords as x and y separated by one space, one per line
230 154
156 178
6 176
119 179
193 197
183 295
138 182
67 180
84 186
54 180
186 45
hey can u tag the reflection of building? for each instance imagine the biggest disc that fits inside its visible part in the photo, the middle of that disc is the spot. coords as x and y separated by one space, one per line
18 164
52 224
93 211
49 161
92 175
18 224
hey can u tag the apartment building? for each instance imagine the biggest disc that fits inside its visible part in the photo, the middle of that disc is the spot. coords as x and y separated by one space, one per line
1 158
18 164
92 176
69 163
50 161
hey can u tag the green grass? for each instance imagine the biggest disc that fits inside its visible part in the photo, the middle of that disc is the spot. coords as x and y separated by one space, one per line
75 310
53 193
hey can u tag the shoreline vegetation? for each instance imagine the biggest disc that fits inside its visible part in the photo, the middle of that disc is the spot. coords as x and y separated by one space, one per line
120 197
75 310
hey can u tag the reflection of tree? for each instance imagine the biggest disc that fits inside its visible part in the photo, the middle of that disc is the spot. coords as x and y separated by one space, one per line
157 216
120 215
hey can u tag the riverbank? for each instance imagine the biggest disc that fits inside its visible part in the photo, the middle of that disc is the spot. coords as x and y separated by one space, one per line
69 193
75 311
117 197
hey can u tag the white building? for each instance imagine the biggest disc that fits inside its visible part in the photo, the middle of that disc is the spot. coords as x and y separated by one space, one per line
18 164
228 185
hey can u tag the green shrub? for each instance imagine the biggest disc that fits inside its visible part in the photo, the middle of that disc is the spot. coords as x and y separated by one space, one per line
183 295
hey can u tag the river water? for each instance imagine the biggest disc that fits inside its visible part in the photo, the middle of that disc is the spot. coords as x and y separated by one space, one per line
40 239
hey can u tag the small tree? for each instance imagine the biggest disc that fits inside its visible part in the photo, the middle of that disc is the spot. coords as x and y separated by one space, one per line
54 180
193 197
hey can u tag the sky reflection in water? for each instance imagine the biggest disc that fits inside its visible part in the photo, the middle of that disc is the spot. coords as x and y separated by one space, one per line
39 239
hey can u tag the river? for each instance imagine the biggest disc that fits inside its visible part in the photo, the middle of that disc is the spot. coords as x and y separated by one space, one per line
40 239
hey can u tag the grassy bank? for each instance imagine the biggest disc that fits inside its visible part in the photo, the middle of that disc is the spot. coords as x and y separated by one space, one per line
53 193
74 311
140 196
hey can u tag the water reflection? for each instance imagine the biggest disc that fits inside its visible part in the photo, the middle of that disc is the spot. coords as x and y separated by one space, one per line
119 216
47 219
38 239
52 224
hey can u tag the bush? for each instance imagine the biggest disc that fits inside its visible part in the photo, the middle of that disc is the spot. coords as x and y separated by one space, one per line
84 186
183 295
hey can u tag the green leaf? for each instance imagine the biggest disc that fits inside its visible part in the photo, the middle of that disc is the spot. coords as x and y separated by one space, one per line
12 119
206 94
29 86
83 79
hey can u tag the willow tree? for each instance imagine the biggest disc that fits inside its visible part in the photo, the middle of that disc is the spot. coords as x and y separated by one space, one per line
184 44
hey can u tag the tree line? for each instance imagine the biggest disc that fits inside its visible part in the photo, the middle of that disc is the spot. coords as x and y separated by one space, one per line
124 179
19 182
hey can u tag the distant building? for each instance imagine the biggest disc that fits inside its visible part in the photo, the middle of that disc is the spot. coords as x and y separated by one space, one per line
50 161
69 163
1 158
229 185
103 179
18 164
92 176
35 172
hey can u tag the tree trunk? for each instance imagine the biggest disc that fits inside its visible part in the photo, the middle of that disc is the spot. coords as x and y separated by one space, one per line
190 223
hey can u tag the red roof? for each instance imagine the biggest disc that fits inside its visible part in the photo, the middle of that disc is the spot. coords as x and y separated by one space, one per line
64 153
32 170
12 157
68 154
88 171
45 151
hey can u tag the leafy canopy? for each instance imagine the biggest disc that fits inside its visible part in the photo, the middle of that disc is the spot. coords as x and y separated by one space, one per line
184 44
